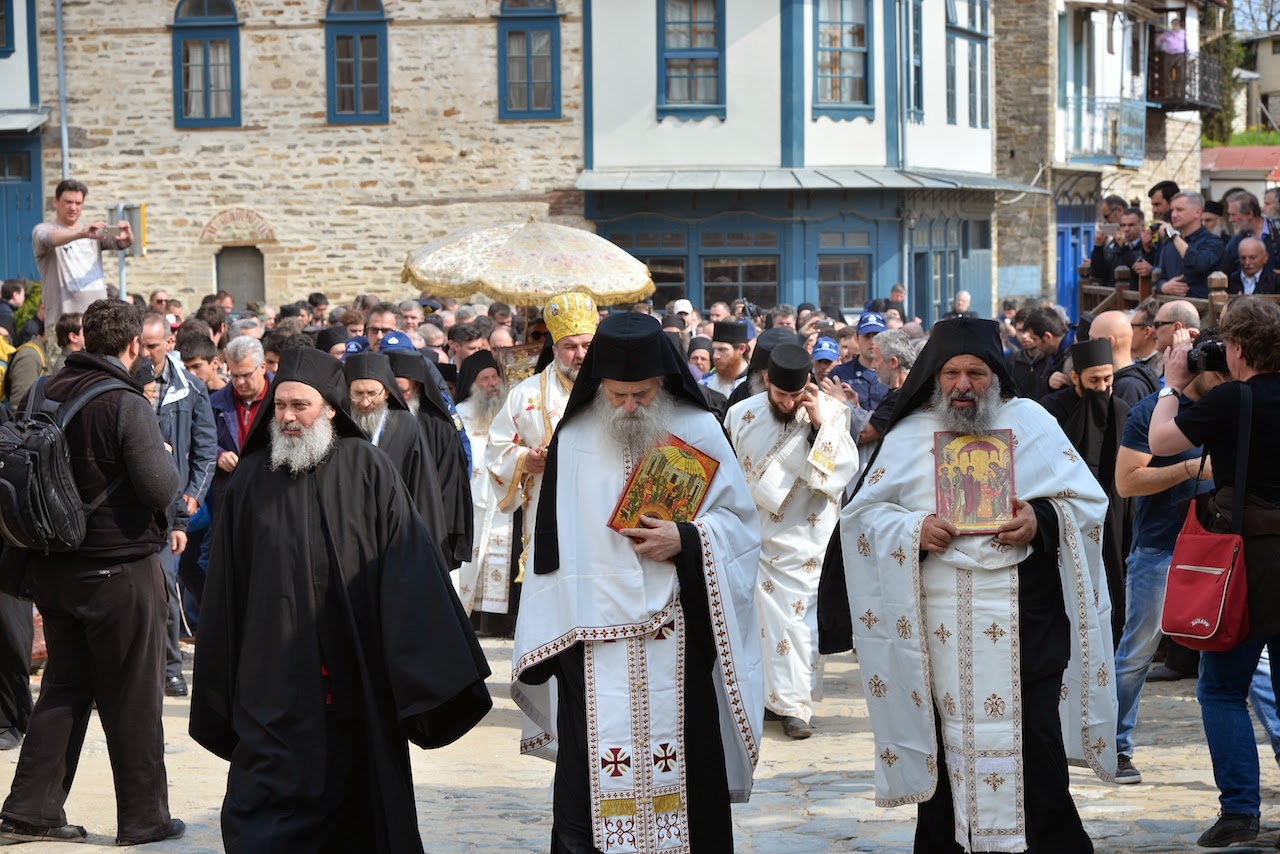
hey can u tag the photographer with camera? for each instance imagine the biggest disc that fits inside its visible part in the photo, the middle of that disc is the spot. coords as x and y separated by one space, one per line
1250 334
69 253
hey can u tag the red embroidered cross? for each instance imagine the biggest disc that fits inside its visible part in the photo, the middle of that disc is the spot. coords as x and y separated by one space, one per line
665 631
615 761
664 758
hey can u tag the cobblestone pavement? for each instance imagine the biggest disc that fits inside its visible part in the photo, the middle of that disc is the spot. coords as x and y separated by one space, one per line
479 795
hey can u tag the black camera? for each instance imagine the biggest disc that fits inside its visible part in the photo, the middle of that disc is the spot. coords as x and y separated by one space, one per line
1208 356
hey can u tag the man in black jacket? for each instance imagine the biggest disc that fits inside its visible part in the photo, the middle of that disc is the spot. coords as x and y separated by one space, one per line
104 604
1124 249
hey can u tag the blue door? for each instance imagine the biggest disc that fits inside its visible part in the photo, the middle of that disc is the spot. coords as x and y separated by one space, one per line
21 208
1075 242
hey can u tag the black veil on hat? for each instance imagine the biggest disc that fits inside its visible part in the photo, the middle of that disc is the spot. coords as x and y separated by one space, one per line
766 341
375 366
628 347
961 336
472 367
412 365
329 336
320 371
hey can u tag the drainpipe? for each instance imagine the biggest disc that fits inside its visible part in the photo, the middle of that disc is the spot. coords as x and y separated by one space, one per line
62 91
903 37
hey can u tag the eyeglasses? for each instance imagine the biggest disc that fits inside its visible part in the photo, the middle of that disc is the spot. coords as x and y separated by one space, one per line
368 395
379 330
247 376
1140 325
1160 323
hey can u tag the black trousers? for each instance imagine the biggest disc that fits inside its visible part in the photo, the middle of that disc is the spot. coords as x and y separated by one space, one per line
16 634
104 626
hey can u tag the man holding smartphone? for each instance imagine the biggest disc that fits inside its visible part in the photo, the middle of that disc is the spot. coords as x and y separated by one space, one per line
69 253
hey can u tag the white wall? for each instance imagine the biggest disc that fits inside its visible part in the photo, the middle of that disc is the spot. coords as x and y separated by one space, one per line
627 132
15 77
861 142
934 144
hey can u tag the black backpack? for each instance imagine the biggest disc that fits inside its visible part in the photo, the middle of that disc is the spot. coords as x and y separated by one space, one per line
40 506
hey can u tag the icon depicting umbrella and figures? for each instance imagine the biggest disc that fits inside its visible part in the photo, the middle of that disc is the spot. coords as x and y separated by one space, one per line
975 480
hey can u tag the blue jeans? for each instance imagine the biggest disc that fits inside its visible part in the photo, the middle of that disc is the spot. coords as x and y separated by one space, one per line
1225 679
1144 586
1147 570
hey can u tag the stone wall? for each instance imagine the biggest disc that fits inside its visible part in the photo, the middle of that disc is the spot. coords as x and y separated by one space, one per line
1172 154
1025 62
332 208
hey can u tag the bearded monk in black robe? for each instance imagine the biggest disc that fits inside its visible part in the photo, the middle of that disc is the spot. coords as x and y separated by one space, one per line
329 636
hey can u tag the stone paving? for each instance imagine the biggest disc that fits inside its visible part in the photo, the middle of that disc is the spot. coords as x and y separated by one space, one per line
479 795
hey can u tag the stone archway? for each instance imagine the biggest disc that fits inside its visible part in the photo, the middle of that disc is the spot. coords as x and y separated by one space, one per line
239 236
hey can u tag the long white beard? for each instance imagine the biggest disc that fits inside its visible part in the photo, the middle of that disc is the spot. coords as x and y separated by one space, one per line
635 432
369 422
415 404
976 420
303 451
755 382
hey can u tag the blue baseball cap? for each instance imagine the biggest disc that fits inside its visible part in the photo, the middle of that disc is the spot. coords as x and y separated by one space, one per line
826 349
359 344
871 323
394 342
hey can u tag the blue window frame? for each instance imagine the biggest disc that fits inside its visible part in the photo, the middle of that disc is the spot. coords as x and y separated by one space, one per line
845 262
6 28
355 39
691 58
206 64
843 70
916 113
973 28
528 60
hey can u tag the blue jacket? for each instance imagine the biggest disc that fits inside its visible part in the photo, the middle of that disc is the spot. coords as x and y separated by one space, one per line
186 422
223 403
1204 254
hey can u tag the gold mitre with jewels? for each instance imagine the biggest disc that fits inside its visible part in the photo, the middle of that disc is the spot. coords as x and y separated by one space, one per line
571 314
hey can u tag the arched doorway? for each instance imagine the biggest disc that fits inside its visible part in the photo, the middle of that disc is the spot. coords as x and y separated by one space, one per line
240 273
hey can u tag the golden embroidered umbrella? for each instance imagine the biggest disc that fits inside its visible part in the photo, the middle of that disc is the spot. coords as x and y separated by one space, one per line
528 263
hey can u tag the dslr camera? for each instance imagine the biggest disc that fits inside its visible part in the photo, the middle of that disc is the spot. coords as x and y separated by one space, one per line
1208 356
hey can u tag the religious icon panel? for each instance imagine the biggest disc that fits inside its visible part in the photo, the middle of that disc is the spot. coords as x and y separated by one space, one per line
974 480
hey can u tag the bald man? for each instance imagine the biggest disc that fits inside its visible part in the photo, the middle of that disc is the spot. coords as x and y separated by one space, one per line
1254 275
1133 380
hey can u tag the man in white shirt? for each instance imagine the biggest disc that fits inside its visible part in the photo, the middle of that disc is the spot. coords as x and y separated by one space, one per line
69 253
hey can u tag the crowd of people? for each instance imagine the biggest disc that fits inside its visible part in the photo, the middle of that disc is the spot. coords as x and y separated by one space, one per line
674 514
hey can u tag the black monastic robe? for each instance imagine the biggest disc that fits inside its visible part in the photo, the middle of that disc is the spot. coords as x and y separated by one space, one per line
406 444
1095 426
329 637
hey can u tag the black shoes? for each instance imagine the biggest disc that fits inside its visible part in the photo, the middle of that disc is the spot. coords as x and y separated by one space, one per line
22 832
10 738
174 831
1126 774
797 728
1230 827
175 686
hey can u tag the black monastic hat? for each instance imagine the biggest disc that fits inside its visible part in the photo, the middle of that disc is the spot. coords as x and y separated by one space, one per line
789 367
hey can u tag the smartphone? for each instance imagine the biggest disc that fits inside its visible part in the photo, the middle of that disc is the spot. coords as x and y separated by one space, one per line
111 231
1110 229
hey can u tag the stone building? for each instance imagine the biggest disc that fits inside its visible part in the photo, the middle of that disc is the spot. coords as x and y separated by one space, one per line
286 146
1089 105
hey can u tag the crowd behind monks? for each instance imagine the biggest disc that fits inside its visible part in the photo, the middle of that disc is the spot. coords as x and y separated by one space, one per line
458 388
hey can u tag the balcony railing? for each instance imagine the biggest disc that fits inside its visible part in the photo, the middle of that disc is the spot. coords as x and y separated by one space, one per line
1185 81
1111 131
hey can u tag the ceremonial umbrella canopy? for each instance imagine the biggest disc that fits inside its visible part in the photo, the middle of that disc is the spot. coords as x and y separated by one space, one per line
528 263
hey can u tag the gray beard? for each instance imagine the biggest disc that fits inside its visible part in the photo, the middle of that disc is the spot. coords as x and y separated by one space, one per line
755 382
570 374
303 452
635 432
369 422
414 403
977 420
487 406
